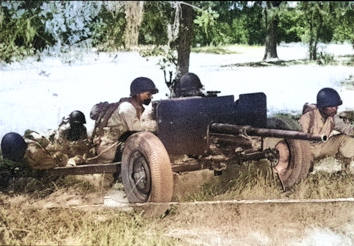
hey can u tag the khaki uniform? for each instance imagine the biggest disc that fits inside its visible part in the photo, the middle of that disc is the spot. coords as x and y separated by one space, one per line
127 117
55 150
41 153
336 130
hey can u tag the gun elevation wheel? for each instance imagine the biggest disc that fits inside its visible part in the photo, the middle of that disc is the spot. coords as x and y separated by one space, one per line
146 169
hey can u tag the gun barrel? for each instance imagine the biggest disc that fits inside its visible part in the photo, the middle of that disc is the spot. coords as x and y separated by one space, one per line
264 132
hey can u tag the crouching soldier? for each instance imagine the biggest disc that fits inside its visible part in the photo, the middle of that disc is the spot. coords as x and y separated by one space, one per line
321 118
72 128
71 136
118 123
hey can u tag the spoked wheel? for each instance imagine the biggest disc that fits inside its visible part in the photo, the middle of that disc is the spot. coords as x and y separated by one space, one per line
146 169
294 158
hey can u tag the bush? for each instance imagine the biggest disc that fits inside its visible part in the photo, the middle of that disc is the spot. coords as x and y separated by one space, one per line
18 30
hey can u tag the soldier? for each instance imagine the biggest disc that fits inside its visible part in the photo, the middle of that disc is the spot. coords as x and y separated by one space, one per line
189 85
321 118
13 146
125 120
35 150
71 136
72 128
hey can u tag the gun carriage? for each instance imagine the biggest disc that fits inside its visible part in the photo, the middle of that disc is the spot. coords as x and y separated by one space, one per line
204 127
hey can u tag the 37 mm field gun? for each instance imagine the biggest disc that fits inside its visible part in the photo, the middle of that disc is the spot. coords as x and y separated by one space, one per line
203 127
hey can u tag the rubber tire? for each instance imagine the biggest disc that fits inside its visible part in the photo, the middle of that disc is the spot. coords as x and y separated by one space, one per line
283 123
295 156
146 159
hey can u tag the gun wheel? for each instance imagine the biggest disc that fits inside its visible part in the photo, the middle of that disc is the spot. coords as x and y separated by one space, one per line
146 169
294 158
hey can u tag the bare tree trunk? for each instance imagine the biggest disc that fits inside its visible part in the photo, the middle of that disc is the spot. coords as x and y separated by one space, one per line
271 38
184 40
134 11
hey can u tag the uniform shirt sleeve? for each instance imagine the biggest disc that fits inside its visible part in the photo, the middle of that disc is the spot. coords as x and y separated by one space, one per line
305 122
126 114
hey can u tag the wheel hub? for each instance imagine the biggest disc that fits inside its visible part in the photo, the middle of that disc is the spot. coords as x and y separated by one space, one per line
140 173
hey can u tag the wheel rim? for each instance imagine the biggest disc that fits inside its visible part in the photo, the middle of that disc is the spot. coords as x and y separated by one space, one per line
139 177
284 157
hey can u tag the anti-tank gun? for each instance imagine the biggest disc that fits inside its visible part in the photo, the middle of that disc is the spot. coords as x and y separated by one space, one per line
205 127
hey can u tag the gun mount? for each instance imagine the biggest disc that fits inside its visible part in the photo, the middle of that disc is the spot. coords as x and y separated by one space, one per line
207 126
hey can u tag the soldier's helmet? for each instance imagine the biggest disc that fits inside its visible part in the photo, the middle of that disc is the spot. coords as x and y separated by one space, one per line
141 85
77 117
328 97
13 146
190 85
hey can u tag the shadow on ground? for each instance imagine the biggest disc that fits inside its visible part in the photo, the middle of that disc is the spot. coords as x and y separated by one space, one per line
347 60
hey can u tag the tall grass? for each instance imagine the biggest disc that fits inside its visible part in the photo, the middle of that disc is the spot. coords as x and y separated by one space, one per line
255 180
61 226
24 222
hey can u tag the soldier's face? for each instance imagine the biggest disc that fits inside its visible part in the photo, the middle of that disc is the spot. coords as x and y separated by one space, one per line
330 111
145 97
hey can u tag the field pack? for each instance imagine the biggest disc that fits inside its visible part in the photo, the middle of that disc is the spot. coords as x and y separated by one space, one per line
100 113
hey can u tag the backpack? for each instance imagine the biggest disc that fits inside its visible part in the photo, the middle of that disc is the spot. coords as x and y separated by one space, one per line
308 107
100 113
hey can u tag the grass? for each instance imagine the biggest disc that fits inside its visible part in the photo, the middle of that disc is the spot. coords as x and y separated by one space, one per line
22 222
62 226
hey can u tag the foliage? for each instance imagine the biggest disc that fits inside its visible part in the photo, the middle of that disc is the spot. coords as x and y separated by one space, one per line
69 23
324 58
29 27
168 60
108 30
206 20
157 18
291 26
18 30
233 24
344 30
255 25
318 20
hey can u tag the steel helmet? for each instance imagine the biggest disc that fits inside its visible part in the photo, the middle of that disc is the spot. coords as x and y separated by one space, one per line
13 146
77 117
142 84
328 97
190 85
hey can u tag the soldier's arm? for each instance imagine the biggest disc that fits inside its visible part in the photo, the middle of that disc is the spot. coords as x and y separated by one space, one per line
343 125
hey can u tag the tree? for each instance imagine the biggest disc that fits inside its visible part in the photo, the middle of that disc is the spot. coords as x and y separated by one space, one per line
271 20
344 30
134 11
318 18
184 39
